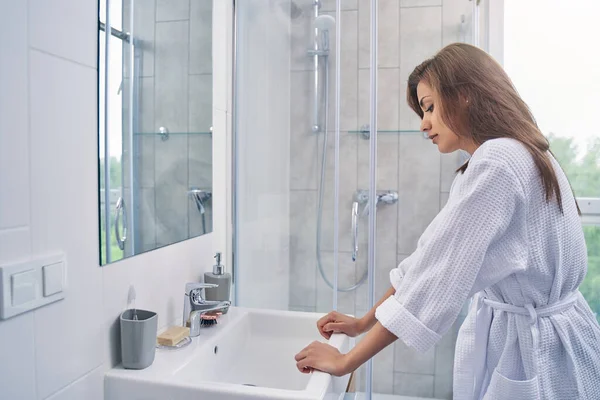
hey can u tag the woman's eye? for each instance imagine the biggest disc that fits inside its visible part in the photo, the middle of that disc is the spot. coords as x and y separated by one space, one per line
430 109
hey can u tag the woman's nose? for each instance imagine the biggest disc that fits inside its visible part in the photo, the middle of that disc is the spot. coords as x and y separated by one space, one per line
425 125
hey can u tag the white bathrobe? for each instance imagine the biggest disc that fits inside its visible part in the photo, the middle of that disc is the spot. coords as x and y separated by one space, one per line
529 333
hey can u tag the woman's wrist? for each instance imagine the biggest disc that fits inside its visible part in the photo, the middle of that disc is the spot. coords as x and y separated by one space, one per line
366 322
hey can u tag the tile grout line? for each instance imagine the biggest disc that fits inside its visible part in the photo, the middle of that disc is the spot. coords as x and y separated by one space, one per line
36 374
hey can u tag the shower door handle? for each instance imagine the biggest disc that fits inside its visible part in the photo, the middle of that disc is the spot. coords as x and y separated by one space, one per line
121 210
355 231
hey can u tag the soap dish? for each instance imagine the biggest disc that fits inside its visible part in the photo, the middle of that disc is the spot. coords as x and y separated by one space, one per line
182 343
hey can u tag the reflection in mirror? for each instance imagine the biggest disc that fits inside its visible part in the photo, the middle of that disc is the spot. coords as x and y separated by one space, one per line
155 124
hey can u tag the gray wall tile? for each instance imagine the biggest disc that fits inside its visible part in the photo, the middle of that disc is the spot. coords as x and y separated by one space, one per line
383 371
420 3
145 159
443 199
303 209
171 187
303 275
146 220
171 76
304 150
200 103
144 19
388 51
347 189
302 38
346 277
453 29
201 37
413 384
388 33
348 73
420 39
449 164
388 98
419 174
329 5
409 360
172 10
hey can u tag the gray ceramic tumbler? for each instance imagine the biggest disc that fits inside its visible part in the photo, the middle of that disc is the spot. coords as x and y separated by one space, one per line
138 338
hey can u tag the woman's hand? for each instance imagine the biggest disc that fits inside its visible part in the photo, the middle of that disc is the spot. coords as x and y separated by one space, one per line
322 357
334 322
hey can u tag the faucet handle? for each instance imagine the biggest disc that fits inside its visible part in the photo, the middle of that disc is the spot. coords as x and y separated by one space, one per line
194 292
198 285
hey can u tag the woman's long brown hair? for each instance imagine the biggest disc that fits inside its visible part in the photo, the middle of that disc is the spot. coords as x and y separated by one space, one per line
479 101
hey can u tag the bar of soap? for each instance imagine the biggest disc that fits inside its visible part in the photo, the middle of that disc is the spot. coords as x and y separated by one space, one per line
173 335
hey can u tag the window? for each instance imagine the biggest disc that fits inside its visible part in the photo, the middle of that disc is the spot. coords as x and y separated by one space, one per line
114 133
551 59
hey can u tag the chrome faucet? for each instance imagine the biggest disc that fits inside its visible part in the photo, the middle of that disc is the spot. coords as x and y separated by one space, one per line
194 306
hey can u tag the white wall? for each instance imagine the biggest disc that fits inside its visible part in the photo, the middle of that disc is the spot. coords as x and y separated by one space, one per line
49 202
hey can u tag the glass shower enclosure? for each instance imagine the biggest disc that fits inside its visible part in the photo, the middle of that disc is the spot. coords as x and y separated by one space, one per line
334 182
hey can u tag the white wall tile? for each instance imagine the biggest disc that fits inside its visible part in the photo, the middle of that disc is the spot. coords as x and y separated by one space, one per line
88 387
14 244
17 369
159 279
14 156
221 47
219 183
64 215
66 28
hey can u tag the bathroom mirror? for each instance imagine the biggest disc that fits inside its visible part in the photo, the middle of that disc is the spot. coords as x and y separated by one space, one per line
155 124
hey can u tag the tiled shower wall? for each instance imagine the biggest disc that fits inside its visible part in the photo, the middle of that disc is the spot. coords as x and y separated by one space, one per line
409 32
175 38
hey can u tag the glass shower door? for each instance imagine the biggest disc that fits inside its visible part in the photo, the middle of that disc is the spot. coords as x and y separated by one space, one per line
341 197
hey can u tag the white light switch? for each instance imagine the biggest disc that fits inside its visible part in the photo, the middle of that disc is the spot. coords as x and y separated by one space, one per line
23 287
28 284
53 279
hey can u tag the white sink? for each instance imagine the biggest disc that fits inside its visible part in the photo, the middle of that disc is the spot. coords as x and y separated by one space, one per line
248 355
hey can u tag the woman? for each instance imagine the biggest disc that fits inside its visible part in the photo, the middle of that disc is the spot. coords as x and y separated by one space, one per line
510 235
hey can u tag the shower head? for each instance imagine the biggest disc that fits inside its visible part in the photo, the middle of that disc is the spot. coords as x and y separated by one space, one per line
324 22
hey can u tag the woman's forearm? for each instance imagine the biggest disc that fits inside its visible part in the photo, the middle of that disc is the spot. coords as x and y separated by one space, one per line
369 319
376 340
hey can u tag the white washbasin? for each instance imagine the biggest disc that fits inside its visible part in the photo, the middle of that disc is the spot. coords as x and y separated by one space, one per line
248 355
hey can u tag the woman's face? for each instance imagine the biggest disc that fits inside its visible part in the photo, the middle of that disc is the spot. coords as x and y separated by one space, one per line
446 140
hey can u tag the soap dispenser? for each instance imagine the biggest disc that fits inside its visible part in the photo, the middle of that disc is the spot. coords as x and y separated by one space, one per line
218 277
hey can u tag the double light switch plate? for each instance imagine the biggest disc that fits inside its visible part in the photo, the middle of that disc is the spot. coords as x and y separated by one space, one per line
32 283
